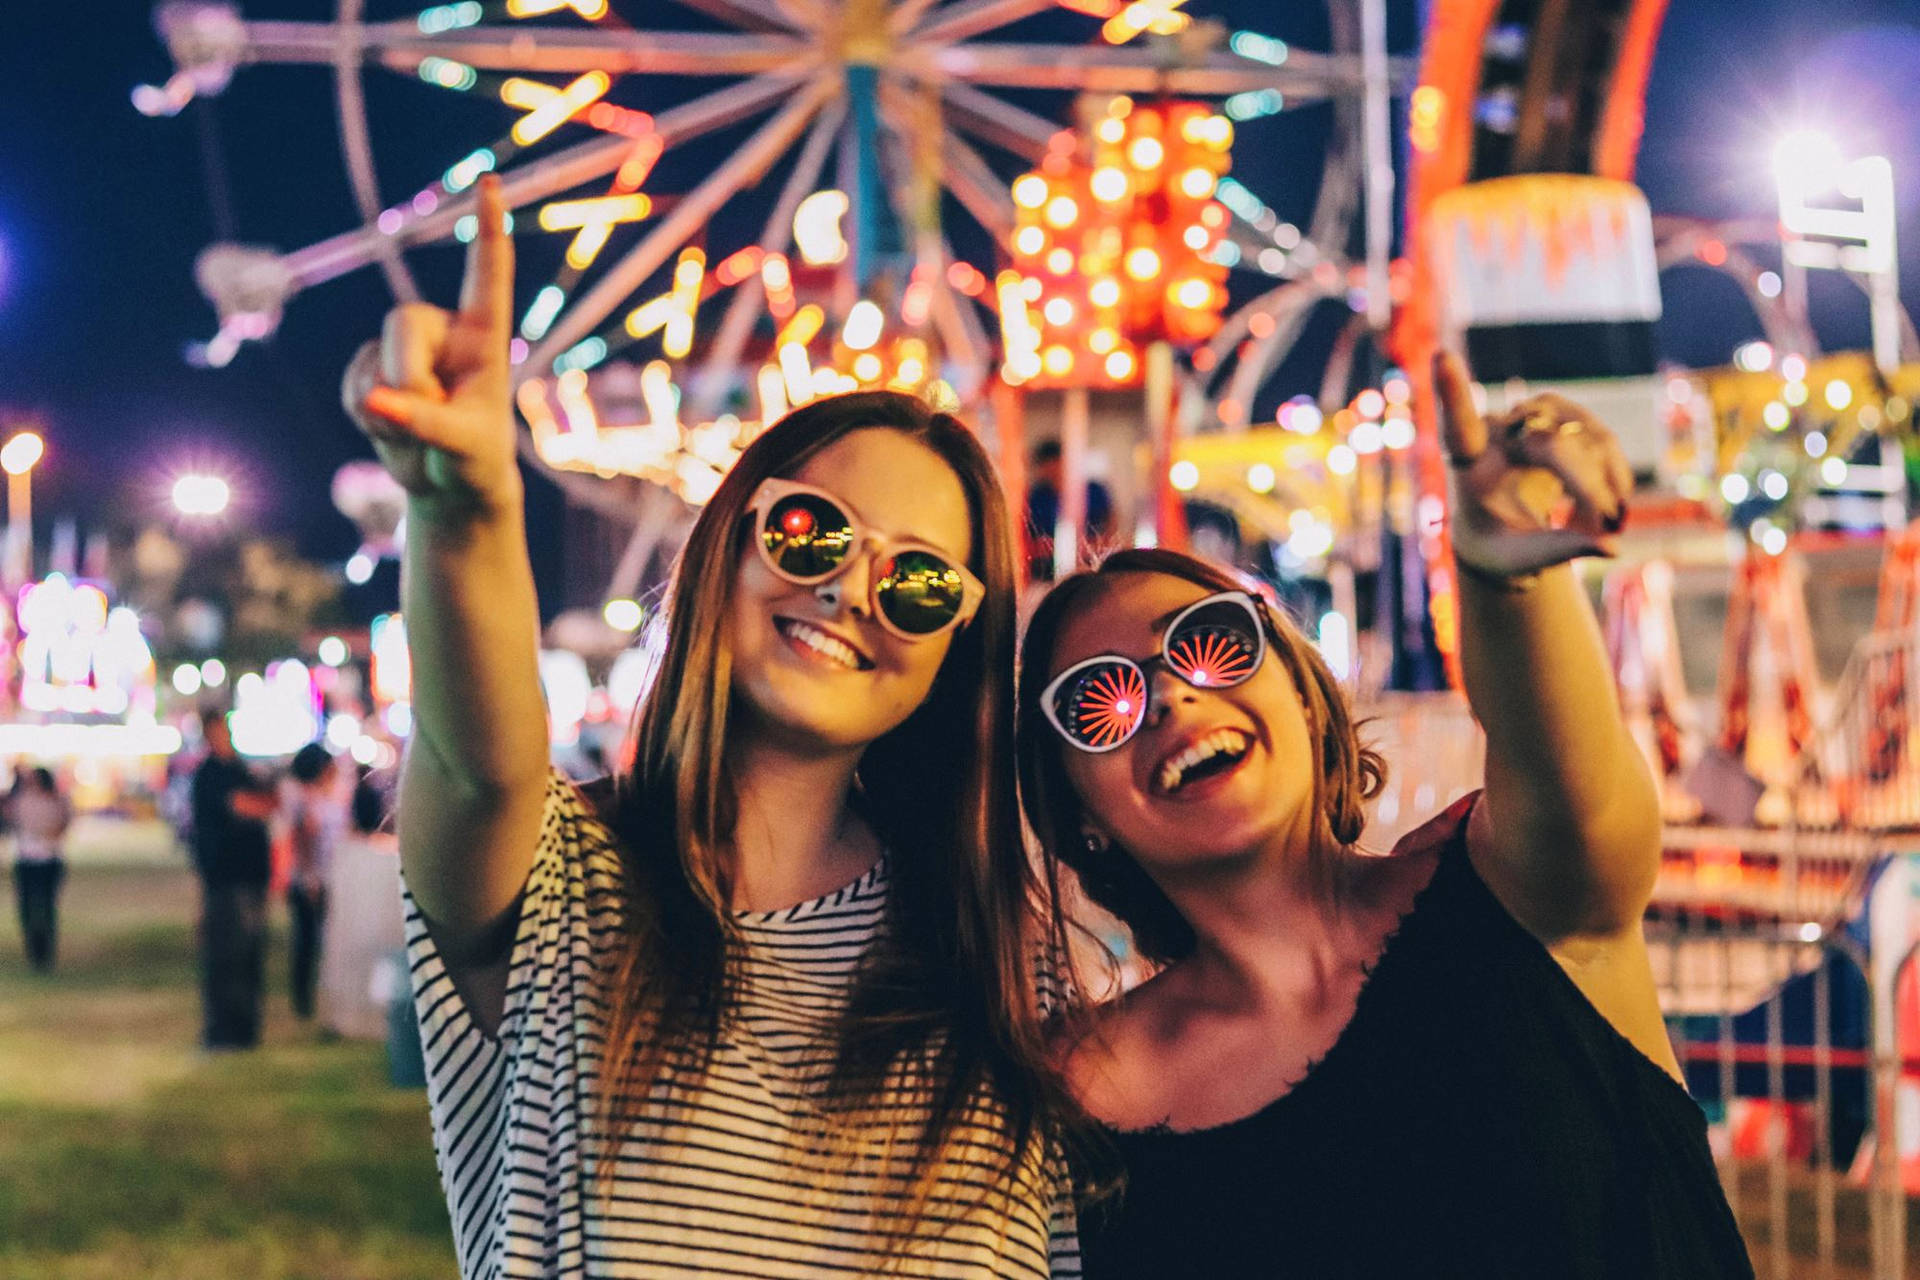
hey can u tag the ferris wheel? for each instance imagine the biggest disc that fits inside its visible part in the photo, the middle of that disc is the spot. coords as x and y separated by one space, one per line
650 323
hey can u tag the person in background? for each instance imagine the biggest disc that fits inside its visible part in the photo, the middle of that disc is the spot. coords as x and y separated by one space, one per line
369 804
231 851
39 816
315 816
1043 513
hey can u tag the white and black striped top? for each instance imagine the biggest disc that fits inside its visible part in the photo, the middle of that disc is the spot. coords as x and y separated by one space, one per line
727 1185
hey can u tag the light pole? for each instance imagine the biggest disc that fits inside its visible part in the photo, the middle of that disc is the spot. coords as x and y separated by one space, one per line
1807 165
17 459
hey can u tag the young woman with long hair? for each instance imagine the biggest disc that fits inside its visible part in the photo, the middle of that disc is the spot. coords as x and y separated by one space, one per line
1448 1060
763 1007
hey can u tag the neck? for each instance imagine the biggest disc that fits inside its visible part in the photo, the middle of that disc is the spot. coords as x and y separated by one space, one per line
794 836
1266 936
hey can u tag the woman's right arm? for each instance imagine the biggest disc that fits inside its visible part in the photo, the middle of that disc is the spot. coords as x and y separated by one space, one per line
434 394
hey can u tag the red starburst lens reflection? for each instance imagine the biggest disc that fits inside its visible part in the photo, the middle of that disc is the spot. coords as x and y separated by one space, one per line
796 522
1211 656
1108 705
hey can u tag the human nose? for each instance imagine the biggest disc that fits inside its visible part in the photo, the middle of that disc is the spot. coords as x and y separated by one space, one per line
1163 690
856 582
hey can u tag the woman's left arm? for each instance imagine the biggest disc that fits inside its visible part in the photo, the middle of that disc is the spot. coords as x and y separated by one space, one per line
1568 834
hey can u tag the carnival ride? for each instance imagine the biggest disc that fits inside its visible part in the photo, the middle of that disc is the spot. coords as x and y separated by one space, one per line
654 351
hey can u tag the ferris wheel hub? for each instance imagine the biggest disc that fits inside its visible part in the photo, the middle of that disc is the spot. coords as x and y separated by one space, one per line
864 36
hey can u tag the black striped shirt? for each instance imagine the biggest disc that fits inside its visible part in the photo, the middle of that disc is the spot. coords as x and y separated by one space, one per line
723 1185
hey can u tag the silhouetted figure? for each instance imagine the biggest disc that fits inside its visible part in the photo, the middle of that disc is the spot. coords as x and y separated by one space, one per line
315 815
231 851
1043 514
39 815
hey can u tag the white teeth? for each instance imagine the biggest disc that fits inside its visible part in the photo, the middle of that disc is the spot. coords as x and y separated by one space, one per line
822 643
1219 742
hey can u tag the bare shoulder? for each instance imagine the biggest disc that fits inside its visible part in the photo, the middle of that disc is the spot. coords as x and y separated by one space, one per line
1114 1058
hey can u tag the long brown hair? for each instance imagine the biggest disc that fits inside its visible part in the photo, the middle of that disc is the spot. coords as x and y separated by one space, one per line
945 997
1346 773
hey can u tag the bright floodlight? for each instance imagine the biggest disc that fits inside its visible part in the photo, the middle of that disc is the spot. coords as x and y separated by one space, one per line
19 454
201 495
1807 159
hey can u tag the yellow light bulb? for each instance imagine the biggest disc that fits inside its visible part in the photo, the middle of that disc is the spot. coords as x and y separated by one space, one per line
1058 361
1030 191
1105 292
1143 264
1196 183
1062 211
1145 153
1029 240
1108 184
1193 294
1119 366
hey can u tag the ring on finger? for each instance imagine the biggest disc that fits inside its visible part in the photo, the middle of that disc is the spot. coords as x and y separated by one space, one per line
1541 422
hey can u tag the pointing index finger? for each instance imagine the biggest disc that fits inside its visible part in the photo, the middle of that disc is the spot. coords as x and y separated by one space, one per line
1461 427
486 290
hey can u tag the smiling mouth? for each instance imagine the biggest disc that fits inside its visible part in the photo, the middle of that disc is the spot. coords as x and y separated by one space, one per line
1212 755
829 648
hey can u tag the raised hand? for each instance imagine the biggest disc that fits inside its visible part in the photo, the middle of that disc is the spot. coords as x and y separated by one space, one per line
1542 484
434 390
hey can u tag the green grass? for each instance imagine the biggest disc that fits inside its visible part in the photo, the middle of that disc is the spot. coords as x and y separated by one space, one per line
124 1152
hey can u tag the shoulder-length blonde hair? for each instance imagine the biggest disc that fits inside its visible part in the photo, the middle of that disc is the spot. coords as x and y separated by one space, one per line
1346 773
945 999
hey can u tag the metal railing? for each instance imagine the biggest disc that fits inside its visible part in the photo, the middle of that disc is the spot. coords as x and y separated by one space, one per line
1784 1019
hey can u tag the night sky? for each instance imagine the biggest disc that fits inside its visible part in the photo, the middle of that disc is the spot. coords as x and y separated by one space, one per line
103 210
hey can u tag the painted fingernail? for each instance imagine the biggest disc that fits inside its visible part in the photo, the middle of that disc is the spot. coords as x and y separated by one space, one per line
387 403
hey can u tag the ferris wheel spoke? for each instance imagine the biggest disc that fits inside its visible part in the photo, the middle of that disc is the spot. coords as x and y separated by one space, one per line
1290 311
998 121
958 323
738 170
908 15
973 17
980 191
403 46
728 106
357 149
562 171
736 323
1306 77
755 15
